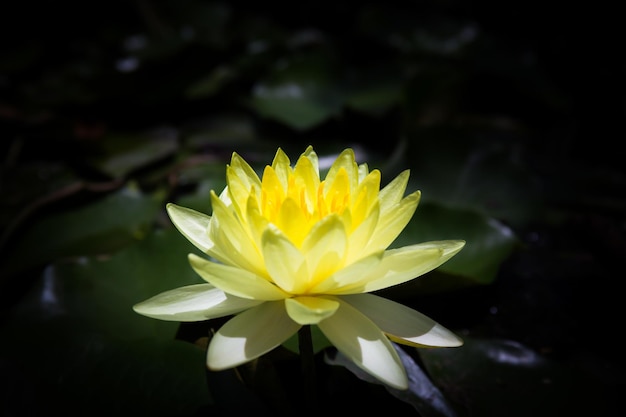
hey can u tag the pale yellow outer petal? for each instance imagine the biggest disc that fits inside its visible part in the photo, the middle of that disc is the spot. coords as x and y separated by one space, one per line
365 197
393 221
192 303
364 170
403 264
401 323
249 335
347 276
236 281
255 221
393 192
358 338
310 310
233 244
241 179
285 264
192 224
245 172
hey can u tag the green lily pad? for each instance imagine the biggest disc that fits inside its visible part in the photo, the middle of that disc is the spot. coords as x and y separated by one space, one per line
301 94
488 244
210 84
31 187
374 91
77 336
121 154
225 131
455 168
101 227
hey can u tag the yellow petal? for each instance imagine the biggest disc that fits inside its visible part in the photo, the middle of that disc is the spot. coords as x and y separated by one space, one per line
308 181
325 248
357 337
255 220
285 264
292 222
347 276
233 244
240 180
236 281
272 193
392 222
282 166
310 310
360 238
363 171
244 172
310 154
191 224
404 264
393 192
336 194
249 335
401 323
192 303
344 162
365 197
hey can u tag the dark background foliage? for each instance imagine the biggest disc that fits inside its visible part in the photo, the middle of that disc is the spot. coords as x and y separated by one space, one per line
510 116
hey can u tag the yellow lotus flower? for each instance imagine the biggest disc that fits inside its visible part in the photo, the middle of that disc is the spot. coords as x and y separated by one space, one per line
290 249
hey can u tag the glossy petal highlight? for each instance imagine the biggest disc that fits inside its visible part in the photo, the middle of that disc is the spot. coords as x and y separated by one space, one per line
192 303
357 337
191 224
236 281
403 324
249 335
404 264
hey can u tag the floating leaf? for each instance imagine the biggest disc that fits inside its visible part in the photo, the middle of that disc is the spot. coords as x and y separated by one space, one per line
76 334
122 154
488 244
301 94
100 227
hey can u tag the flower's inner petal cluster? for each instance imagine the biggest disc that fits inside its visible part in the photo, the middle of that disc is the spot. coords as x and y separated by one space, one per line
326 224
295 199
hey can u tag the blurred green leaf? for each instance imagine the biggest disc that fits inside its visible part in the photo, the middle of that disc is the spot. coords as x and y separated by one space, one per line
457 169
301 93
28 187
229 131
374 91
94 354
211 83
101 227
121 154
488 244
